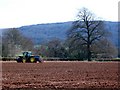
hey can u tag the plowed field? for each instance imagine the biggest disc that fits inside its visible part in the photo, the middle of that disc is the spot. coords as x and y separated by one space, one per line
60 75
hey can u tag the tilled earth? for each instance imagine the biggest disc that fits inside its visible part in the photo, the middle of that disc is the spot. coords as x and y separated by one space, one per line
60 75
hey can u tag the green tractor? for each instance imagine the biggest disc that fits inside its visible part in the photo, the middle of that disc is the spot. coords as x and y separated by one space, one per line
27 57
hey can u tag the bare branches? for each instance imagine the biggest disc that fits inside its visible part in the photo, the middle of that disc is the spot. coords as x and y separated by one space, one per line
87 30
14 42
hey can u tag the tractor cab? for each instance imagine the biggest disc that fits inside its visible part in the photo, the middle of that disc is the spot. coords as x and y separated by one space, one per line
27 54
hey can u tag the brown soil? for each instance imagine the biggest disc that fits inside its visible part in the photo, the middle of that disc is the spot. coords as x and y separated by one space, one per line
60 75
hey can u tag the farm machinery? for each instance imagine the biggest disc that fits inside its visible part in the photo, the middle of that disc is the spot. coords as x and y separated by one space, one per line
27 57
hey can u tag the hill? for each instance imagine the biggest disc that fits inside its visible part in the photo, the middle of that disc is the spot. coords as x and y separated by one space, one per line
44 32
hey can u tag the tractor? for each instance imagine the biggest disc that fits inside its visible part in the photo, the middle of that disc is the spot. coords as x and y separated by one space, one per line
27 57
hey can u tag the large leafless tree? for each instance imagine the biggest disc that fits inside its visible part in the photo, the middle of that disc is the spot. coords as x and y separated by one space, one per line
87 29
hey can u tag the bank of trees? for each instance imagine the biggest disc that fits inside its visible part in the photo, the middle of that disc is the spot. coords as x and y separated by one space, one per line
86 39
53 49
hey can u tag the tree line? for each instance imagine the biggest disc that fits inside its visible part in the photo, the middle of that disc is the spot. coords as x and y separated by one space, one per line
86 40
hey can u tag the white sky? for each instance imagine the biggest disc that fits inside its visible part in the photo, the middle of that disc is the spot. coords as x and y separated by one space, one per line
15 13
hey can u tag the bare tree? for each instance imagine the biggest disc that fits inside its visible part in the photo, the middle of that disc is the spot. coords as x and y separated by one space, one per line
53 48
76 51
104 49
87 29
13 41
0 45
10 40
26 43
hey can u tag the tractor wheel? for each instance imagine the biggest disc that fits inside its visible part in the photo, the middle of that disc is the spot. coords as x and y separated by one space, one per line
32 60
19 60
24 60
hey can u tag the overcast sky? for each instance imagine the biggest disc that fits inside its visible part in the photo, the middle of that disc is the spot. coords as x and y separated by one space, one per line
16 13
